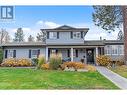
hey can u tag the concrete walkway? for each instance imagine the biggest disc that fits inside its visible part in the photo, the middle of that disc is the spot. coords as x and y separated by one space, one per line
118 80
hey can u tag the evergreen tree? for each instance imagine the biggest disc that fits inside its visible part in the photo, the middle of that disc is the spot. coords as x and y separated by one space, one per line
41 36
108 17
19 36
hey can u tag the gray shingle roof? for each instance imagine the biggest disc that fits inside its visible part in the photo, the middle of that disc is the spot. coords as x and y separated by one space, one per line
24 44
113 42
86 43
67 28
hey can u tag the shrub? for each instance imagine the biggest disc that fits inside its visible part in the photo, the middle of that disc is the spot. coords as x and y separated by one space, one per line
9 62
35 61
55 61
12 62
41 60
91 68
1 56
103 60
24 62
79 65
69 64
75 65
120 62
45 66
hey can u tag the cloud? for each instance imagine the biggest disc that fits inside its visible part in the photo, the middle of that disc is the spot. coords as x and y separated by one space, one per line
47 24
27 31
94 32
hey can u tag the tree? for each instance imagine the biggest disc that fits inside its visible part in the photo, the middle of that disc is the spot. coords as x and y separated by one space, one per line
41 36
19 36
110 18
124 8
30 39
120 35
4 36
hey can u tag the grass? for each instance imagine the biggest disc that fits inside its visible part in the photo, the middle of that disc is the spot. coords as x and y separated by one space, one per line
24 78
121 70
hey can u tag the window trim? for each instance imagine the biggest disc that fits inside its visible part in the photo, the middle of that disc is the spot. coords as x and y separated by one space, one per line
10 53
76 37
68 53
76 52
34 56
53 37
110 48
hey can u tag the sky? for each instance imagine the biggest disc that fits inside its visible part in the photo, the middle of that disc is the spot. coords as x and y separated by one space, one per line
33 18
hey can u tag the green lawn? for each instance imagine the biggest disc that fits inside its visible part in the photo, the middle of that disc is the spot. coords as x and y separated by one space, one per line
15 78
121 70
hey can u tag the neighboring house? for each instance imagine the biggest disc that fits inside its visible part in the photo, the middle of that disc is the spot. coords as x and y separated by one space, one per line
68 41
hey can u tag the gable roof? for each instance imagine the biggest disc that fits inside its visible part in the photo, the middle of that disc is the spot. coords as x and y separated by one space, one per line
66 28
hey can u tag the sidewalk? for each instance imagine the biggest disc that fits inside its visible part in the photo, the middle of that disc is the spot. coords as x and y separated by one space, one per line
118 80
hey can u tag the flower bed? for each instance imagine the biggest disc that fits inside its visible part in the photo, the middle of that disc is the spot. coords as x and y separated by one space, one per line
77 66
13 62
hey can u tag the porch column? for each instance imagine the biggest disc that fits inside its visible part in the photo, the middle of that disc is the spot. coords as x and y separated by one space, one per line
71 54
46 53
96 51
96 55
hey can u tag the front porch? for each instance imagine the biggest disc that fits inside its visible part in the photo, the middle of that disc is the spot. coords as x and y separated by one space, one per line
85 54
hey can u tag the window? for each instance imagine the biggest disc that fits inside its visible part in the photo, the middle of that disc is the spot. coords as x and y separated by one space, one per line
108 49
120 49
52 35
115 50
54 51
68 53
76 51
11 53
76 35
35 53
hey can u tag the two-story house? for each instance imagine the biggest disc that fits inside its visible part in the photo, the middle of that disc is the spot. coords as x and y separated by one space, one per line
68 41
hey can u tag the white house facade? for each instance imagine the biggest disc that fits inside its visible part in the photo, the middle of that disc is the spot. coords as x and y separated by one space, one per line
68 41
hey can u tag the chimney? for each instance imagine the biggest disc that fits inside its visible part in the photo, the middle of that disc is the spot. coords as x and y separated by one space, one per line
100 38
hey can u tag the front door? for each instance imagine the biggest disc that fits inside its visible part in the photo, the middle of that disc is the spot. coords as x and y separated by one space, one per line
90 56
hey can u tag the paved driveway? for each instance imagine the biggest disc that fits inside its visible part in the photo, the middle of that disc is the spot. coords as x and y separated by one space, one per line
118 80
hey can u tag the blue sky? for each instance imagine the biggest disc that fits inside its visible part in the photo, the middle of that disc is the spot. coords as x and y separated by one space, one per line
32 18
28 15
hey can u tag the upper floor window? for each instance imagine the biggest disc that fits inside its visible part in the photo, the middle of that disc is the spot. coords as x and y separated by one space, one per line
76 35
52 35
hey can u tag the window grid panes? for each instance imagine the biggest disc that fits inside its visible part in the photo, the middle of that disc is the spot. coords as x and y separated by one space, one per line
34 53
76 35
52 35
114 50
10 53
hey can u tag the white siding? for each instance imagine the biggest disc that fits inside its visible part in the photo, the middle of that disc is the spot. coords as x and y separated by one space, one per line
114 51
23 52
64 37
